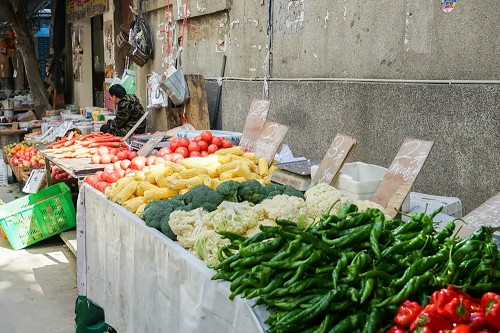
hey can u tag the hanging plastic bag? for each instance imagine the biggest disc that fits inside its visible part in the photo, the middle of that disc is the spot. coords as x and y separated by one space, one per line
156 96
128 81
175 85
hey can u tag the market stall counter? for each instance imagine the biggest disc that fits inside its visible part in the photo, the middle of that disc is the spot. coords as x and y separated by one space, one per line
75 167
146 282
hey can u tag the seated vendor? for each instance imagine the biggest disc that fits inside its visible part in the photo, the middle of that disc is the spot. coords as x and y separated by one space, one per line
128 112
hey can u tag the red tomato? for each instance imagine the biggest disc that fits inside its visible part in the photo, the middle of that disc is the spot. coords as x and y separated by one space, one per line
101 186
197 138
90 179
212 148
122 155
462 328
217 141
167 157
113 177
183 151
203 145
106 158
164 150
103 150
193 146
113 151
184 142
204 153
150 160
114 158
178 160
226 143
138 163
98 175
131 155
194 154
117 165
175 156
124 164
105 174
96 159
121 172
174 144
206 136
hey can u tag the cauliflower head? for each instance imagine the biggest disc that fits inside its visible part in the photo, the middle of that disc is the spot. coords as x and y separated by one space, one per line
365 204
187 225
321 197
283 207
207 245
236 217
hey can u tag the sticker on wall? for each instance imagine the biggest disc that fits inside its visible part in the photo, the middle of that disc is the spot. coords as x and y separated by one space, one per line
448 5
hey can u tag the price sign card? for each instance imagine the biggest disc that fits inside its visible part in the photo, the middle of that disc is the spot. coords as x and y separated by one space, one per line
401 175
34 181
486 214
270 139
340 148
254 123
151 144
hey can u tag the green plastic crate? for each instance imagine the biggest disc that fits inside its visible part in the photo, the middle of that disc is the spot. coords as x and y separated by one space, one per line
38 216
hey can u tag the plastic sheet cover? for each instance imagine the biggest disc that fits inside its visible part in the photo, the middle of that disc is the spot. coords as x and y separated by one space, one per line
146 282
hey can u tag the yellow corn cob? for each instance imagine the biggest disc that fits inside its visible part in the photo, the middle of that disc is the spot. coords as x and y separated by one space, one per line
197 180
133 204
140 210
238 179
263 167
177 184
233 150
250 156
228 174
223 158
139 175
211 182
265 181
184 190
272 168
176 167
228 166
212 170
190 173
161 179
112 190
144 186
158 194
126 192
244 171
199 162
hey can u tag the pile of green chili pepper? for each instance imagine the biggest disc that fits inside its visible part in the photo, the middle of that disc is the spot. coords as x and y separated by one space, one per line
349 272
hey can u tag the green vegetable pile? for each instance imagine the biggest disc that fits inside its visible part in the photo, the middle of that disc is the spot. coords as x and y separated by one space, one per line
349 272
157 213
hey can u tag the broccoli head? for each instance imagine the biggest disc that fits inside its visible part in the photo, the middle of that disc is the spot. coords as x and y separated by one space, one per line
292 191
251 191
228 190
273 190
157 211
203 196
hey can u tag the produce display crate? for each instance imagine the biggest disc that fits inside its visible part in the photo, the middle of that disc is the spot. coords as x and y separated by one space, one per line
8 139
35 217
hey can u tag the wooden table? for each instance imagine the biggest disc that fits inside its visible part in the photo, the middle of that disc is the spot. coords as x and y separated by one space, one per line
76 167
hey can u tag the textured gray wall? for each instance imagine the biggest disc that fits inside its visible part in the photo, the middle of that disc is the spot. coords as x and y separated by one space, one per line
462 120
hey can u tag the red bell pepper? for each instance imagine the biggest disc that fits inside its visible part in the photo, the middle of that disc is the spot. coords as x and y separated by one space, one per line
462 328
407 313
424 329
443 297
491 305
477 320
396 329
457 310
432 321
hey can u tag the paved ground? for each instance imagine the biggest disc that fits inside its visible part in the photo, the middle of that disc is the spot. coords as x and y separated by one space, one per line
37 284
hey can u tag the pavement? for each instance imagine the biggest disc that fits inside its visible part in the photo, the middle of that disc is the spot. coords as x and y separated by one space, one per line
37 284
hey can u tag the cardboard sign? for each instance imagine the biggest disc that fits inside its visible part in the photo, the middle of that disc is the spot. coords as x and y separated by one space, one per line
402 173
254 123
132 130
340 148
15 125
269 141
151 144
486 214
34 181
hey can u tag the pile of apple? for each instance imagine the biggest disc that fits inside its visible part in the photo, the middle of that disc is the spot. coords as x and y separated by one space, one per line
107 155
28 158
200 146
56 173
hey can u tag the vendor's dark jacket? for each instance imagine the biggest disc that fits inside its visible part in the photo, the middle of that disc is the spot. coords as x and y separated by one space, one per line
128 112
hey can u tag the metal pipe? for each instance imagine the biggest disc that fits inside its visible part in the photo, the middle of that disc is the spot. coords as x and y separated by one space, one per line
347 80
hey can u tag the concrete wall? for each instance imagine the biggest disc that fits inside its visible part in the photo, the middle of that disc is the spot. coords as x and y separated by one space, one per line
398 40
82 90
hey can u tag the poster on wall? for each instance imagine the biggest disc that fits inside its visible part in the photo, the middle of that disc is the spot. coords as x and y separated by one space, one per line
109 50
76 46
78 9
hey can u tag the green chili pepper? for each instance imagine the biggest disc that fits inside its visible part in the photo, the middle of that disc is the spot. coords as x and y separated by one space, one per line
404 247
353 294
298 274
407 227
275 283
222 275
323 327
377 274
227 262
357 264
446 232
361 234
346 210
470 246
410 288
366 289
375 235
465 268
422 265
295 262
355 220
317 243
262 247
251 261
408 236
290 303
232 236
341 266
372 321
350 323
255 239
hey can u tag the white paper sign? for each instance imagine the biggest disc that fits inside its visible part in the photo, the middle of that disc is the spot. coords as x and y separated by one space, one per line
34 181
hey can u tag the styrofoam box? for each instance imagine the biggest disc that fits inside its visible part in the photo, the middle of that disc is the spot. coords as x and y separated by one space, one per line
358 180
451 206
